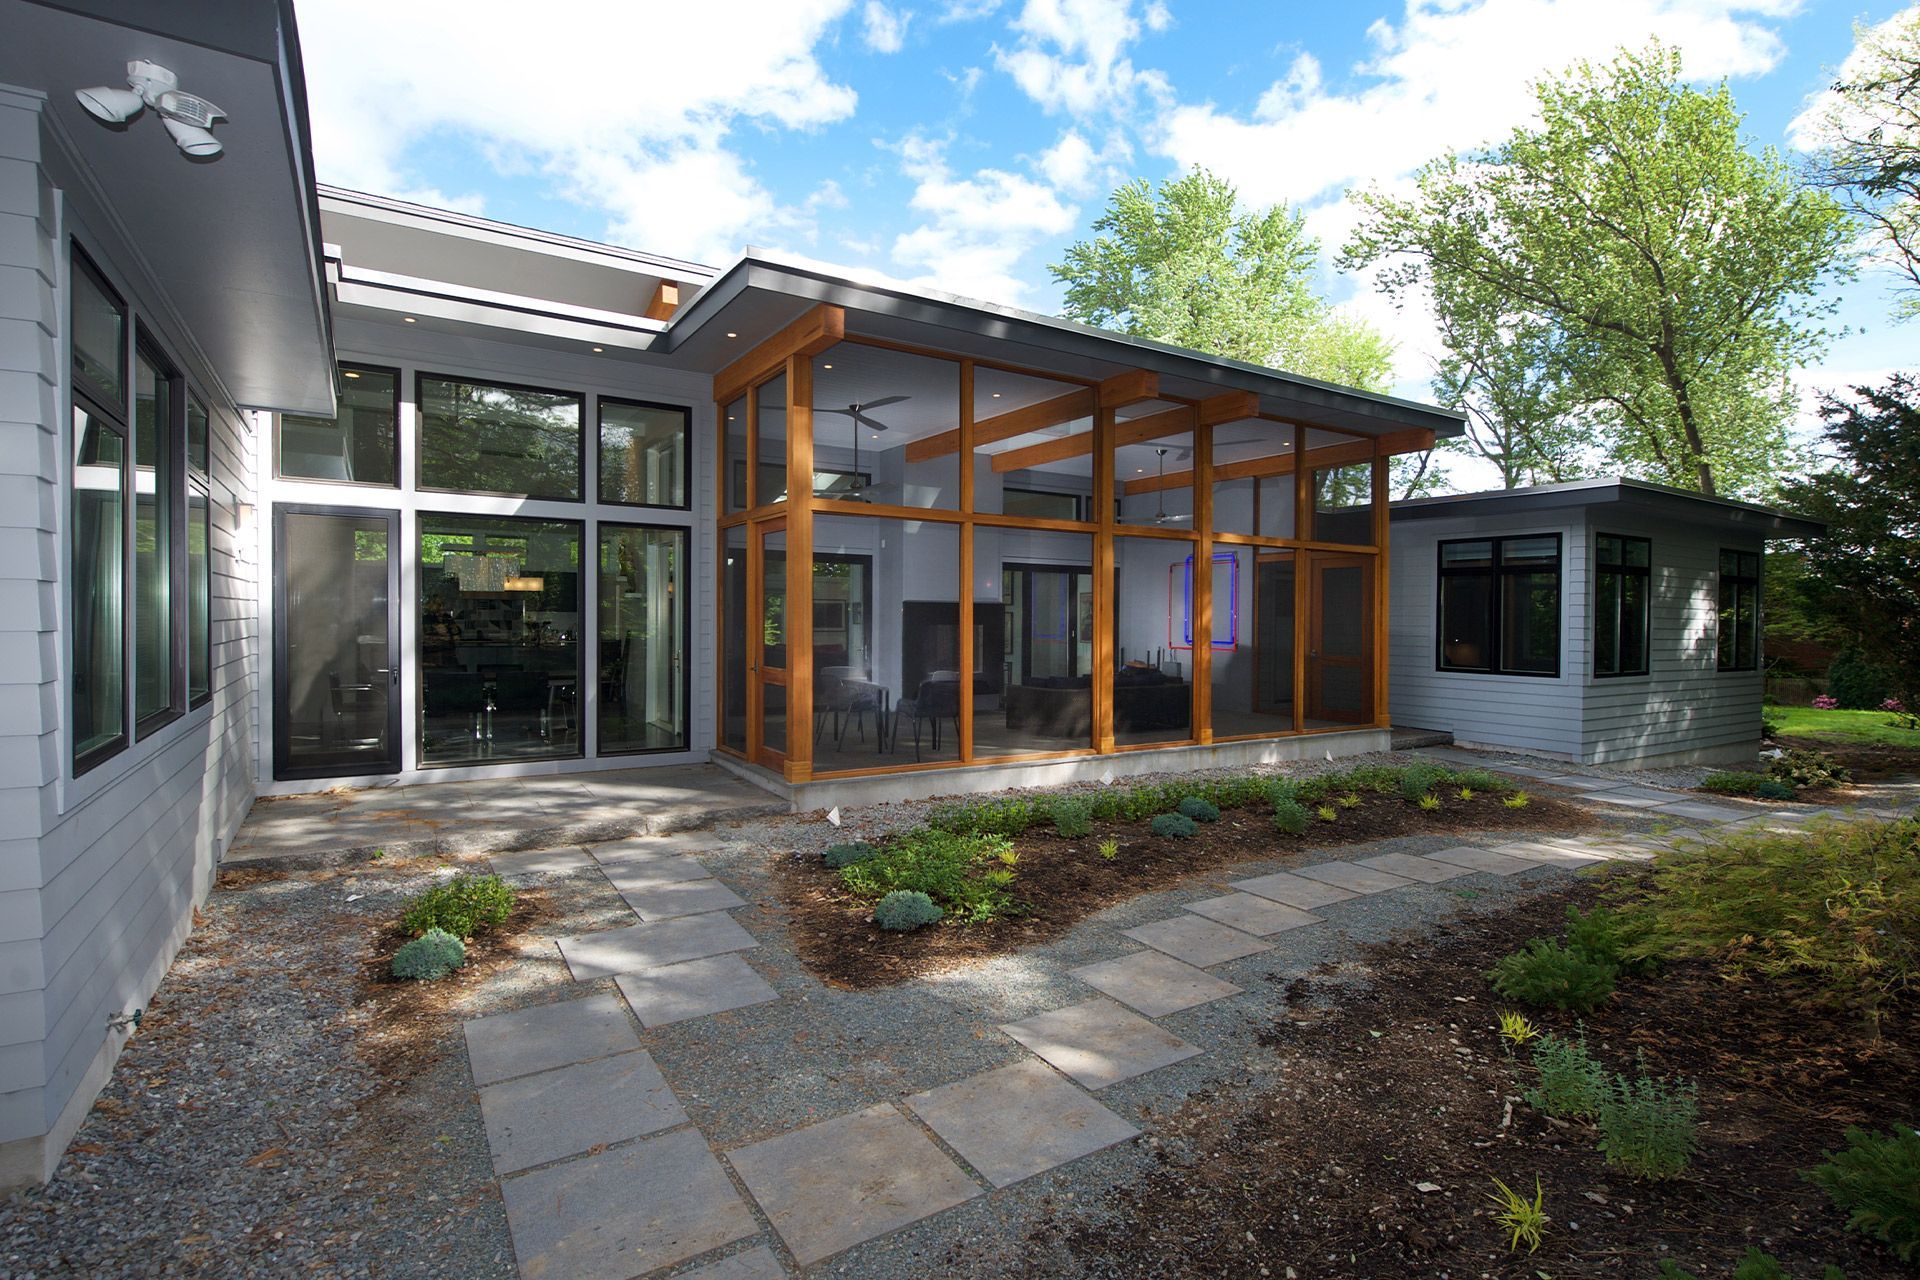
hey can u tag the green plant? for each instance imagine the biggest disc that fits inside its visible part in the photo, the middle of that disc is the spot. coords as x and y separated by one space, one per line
1481 780
1524 1219
1756 1265
1072 816
1808 770
1856 683
1518 800
1544 973
961 872
462 906
1199 810
1173 826
1736 782
1109 848
1289 817
1611 936
1770 726
1648 1126
1875 1181
1351 800
1428 803
1326 813
1572 1083
434 954
1418 781
1516 1028
903 910
845 855
1000 815
1466 793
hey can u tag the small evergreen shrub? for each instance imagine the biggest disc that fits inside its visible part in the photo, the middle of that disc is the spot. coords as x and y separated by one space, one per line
1735 782
845 855
1481 780
964 874
1611 936
1773 789
462 906
1808 770
1758 1264
1173 826
1289 817
1876 1183
1544 973
1649 1126
1072 816
1418 781
1199 810
434 954
1572 1083
905 909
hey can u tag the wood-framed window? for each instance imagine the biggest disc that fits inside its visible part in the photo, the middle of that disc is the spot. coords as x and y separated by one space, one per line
1499 606
1739 633
1622 579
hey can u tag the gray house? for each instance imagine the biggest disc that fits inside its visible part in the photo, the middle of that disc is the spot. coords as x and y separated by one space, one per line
1602 621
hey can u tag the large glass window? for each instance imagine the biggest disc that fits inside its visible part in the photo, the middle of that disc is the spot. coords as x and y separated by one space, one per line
156 408
359 444
1152 474
770 442
1500 606
1739 637
643 453
1622 569
643 629
1152 677
733 454
99 343
483 437
334 712
1343 503
1033 445
99 553
199 597
1037 641
886 427
1253 479
500 622
1252 677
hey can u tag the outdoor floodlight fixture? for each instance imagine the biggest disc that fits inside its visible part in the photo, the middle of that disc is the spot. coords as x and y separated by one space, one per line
187 117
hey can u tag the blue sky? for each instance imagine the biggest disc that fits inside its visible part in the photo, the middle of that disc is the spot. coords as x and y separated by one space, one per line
964 143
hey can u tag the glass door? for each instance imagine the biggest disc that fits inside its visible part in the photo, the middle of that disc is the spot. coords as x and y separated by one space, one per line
769 642
336 709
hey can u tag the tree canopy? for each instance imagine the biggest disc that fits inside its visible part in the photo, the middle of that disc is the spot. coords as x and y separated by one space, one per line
1640 272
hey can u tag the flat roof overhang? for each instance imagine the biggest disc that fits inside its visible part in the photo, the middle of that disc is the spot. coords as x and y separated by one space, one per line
1622 494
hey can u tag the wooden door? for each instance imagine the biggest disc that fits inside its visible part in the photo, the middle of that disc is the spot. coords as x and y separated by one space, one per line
768 644
1340 639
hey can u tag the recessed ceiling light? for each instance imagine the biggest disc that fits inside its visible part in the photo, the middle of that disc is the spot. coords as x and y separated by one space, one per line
826 366
733 335
996 395
1138 470
599 348
409 319
348 373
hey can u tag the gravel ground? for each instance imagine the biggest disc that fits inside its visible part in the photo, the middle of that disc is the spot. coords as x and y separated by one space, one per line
280 1114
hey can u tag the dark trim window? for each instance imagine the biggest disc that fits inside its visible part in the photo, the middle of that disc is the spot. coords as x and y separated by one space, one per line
1739 637
360 444
644 622
645 458
1499 606
101 494
199 559
1041 504
500 438
1622 578
159 537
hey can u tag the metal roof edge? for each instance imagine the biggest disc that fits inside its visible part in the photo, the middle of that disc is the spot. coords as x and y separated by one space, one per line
1605 490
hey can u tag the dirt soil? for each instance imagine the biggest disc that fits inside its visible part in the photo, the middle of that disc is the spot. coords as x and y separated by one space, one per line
1867 761
1389 1074
1061 881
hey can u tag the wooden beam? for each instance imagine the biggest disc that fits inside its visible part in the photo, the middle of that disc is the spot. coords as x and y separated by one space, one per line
1228 406
1414 440
666 301
1046 451
1273 464
1117 392
815 331
1131 387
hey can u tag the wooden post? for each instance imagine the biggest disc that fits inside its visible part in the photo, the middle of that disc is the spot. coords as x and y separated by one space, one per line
1203 601
1103 583
800 569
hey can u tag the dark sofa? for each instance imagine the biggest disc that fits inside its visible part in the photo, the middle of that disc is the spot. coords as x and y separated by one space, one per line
1062 707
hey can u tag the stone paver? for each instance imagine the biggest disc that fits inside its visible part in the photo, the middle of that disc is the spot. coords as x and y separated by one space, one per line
542 862
1197 940
1295 891
651 873
628 1210
1251 913
1585 782
1553 852
1702 810
686 898
1099 1042
546 1036
648 946
831 1185
1628 798
1413 867
1353 877
1018 1121
1154 983
694 989
534 1119
1474 858
679 842
752 1264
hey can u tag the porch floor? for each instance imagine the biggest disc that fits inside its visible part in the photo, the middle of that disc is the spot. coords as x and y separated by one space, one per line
493 815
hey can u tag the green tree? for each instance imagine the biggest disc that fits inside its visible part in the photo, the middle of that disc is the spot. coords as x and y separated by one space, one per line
1868 564
1867 136
1671 271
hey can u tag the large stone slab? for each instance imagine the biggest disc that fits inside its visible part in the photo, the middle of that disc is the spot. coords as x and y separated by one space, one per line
658 846
694 989
546 1036
1295 891
1585 782
1413 867
1551 852
1251 913
627 874
1099 1043
1474 858
831 1185
626 1211
1704 810
751 1264
1154 983
549 862
1197 940
1018 1121
1353 877
534 1119
648 946
1629 798
686 898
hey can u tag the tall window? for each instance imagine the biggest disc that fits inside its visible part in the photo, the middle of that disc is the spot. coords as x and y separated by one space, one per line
157 405
1739 648
1622 573
482 437
643 453
643 624
359 444
199 562
99 535
1500 606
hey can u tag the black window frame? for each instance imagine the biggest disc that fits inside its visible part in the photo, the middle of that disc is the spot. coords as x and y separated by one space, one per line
1624 570
199 484
1082 503
1497 572
422 376
685 596
340 373
93 401
600 453
1749 630
175 463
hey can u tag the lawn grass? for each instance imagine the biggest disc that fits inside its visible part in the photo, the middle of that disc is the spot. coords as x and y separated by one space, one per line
1842 726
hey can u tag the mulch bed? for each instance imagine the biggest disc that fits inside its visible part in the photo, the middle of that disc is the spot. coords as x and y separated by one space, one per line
1389 1072
1061 882
1868 761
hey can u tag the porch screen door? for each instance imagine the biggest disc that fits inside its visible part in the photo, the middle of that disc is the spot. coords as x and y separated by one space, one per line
1339 652
769 642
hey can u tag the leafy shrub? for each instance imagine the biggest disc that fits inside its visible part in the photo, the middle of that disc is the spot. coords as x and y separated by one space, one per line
1572 1083
1289 817
1516 1029
1770 727
1173 826
1649 1126
1826 702
1481 780
1525 1220
1418 781
905 909
1072 816
1758 1264
1199 810
845 855
1736 783
462 906
1351 800
1518 800
434 954
1545 973
1876 1183
1326 813
1811 770
1109 848
1857 684
999 816
1610 936
1773 789
961 872
1429 803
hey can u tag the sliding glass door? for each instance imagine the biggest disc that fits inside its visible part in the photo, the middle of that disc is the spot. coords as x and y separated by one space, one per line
643 625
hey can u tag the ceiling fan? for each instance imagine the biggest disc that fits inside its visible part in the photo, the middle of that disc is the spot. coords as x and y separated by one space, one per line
857 413
1162 515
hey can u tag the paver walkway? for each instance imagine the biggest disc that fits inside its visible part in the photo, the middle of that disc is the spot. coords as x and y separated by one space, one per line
604 1175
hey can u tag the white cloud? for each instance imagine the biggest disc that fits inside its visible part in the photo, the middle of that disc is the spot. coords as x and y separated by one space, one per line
1072 54
1068 164
1823 108
884 28
632 122
977 228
